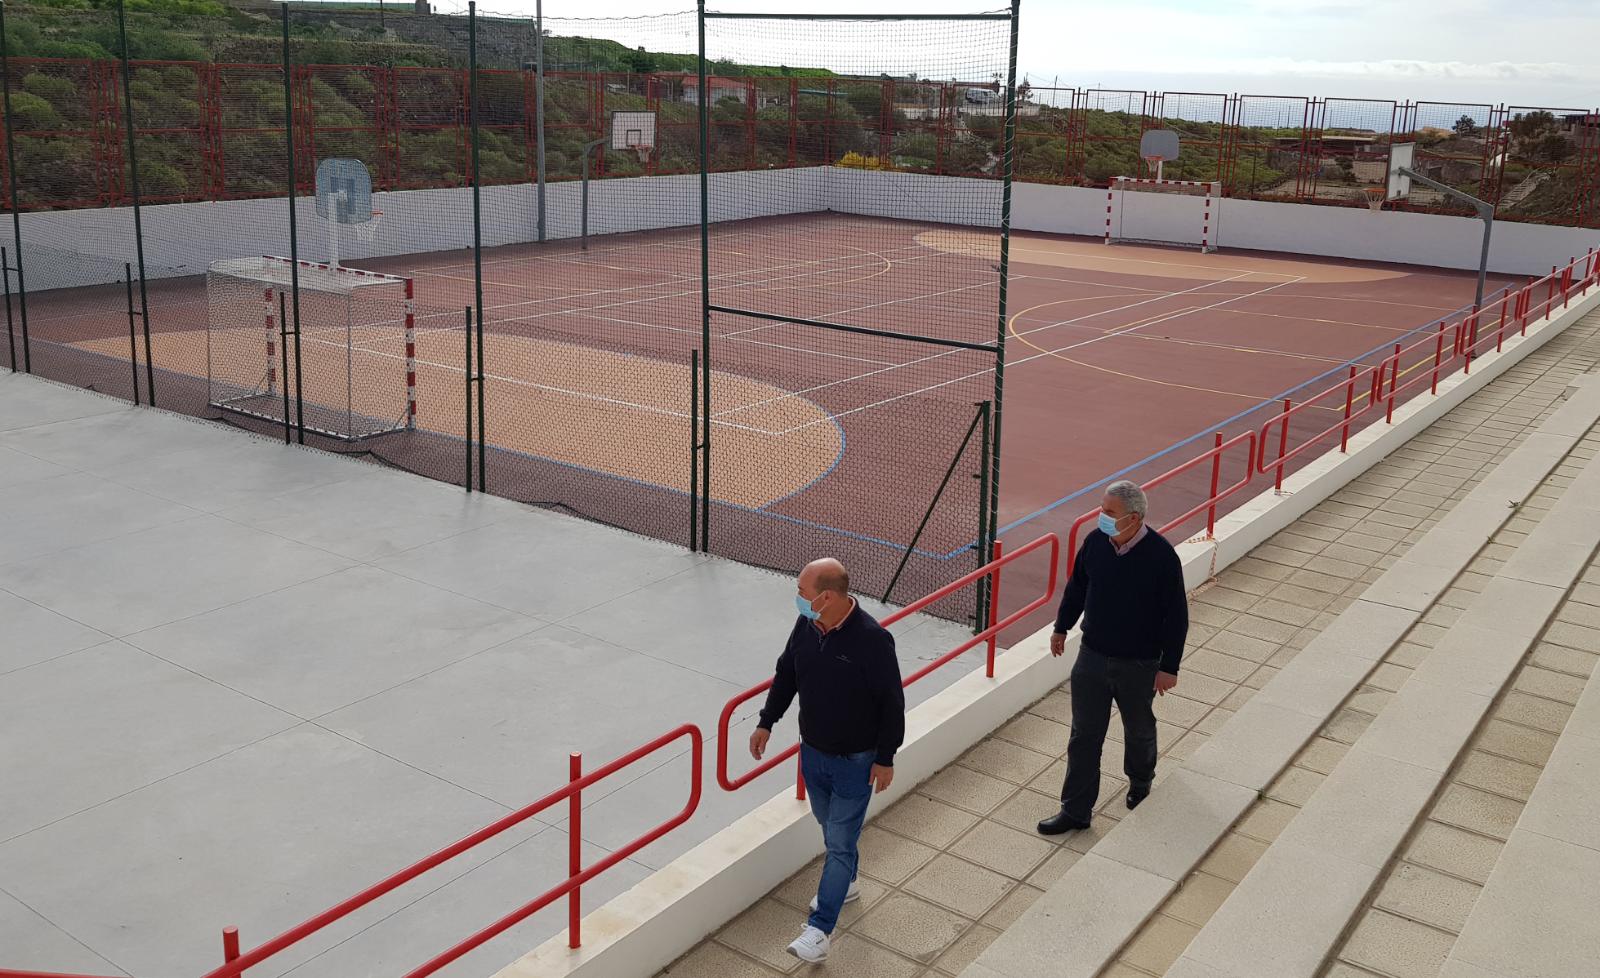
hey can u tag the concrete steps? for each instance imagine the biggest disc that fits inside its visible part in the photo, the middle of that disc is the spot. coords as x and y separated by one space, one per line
1135 900
1302 902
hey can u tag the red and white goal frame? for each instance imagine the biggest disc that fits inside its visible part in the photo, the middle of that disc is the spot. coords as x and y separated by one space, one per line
333 298
1205 220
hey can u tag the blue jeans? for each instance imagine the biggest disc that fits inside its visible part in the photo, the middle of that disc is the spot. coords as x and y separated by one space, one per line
839 789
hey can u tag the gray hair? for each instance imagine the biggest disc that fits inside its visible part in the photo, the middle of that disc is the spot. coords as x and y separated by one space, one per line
1133 498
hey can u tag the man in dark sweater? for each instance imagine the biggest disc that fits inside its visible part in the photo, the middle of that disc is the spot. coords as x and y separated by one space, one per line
852 720
1127 584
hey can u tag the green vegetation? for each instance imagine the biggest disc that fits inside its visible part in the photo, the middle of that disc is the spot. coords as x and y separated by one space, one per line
209 119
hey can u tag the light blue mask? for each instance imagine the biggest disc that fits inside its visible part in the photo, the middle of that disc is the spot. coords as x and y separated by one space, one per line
804 607
1108 525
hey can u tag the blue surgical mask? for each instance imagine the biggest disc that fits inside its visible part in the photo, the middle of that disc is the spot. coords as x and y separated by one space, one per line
804 607
1108 525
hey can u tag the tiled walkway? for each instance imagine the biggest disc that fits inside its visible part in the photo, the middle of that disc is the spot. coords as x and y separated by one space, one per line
948 867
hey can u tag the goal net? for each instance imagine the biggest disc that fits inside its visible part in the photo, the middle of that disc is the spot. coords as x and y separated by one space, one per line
357 352
1177 213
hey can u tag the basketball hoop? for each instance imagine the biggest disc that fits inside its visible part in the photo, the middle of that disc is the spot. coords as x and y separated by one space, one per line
365 232
1375 197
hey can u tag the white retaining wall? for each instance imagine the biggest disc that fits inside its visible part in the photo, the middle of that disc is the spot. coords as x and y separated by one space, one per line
181 239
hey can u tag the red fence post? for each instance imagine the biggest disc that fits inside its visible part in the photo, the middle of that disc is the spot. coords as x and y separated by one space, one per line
574 849
1438 357
1500 331
1349 402
230 945
1216 473
1283 446
994 609
1394 380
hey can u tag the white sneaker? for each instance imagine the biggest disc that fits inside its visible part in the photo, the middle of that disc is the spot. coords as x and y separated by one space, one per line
850 896
811 946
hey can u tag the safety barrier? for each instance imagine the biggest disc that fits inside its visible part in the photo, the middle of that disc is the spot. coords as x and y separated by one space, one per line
1369 390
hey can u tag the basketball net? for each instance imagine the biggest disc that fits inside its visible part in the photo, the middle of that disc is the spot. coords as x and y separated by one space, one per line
1375 198
1154 163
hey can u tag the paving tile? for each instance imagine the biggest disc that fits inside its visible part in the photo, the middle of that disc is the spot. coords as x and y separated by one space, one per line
1045 736
1346 726
1233 857
1405 656
1455 851
1296 785
1225 597
1389 676
1056 706
1012 906
1180 710
800 889
1185 746
1478 811
926 820
1005 760
1397 947
713 960
967 789
1237 644
890 858
963 952
1218 665
1266 819
958 885
1253 626
1518 742
1054 868
1556 686
914 928
1201 687
1534 711
763 932
1003 849
1159 943
850 955
1568 794
1198 898
1282 611
1510 779
1428 897
1023 810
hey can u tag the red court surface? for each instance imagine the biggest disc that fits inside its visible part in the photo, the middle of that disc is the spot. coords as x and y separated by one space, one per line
1114 355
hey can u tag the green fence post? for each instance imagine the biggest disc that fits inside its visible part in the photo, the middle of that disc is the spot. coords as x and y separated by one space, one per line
16 205
138 219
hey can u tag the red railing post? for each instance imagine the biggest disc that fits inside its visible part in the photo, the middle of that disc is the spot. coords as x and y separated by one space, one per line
1216 475
574 849
1438 357
1394 379
994 610
1349 402
1566 282
230 946
1500 331
1283 446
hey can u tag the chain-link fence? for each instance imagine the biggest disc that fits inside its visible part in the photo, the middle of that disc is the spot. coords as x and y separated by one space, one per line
537 289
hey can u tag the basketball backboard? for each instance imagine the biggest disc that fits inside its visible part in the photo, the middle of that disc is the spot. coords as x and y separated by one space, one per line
1400 155
634 131
1158 146
344 191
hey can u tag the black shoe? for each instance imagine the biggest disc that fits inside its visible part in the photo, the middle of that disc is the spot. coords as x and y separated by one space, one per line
1062 822
1136 795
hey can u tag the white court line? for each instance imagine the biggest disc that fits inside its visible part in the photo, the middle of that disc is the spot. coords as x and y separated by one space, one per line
1073 346
1038 329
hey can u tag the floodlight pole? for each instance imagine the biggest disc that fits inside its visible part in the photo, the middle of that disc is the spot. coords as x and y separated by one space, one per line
588 154
1485 214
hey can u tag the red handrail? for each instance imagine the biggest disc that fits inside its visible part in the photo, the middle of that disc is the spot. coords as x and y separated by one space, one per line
1209 504
237 965
1286 454
991 570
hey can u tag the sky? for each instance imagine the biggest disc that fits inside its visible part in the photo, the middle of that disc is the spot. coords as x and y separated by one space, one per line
1529 52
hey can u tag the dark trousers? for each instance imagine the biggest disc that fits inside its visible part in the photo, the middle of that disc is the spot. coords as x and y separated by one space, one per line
1097 682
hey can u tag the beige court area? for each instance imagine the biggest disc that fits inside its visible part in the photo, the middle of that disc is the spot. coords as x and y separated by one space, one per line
1093 256
623 415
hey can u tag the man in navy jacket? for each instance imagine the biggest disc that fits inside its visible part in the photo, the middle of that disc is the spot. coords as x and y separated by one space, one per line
1127 584
842 664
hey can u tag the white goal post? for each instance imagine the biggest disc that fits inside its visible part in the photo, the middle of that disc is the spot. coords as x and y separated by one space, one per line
1146 210
357 345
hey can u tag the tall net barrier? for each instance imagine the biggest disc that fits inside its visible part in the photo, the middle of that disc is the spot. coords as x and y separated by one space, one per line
853 299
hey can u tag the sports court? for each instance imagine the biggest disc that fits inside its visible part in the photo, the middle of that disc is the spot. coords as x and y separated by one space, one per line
1114 355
